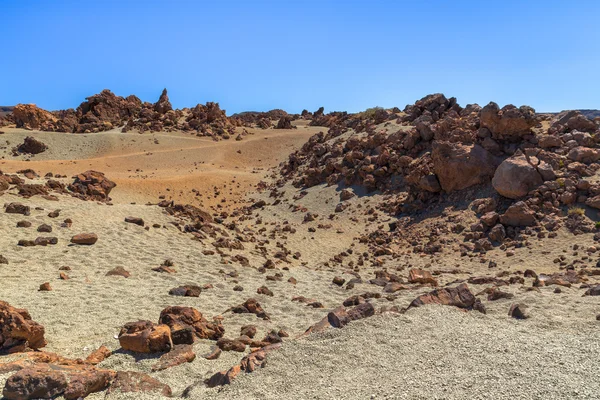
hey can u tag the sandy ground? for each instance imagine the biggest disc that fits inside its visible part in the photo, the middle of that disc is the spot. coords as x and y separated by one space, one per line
432 352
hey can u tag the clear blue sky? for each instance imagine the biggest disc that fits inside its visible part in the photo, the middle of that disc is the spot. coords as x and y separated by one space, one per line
343 55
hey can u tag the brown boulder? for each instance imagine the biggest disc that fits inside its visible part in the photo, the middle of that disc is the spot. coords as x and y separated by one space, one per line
163 104
85 238
29 116
186 291
91 185
18 331
509 123
17 208
134 220
516 177
145 337
32 146
187 323
459 166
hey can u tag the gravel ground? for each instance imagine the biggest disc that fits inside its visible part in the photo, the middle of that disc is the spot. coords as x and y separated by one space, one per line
431 353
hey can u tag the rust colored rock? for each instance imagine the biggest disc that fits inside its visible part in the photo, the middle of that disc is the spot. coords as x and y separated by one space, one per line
421 276
145 337
339 281
137 382
509 123
91 185
45 240
180 354
187 323
119 271
284 122
18 331
85 238
517 176
98 355
342 317
29 116
459 296
497 294
32 146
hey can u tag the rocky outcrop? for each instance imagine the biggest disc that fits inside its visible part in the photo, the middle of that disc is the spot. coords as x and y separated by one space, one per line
29 116
187 324
163 104
91 185
509 123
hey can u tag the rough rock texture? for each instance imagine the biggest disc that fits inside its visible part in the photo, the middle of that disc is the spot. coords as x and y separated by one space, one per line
163 104
145 337
137 382
518 214
515 177
187 323
459 296
29 116
32 146
459 166
508 123
91 185
18 331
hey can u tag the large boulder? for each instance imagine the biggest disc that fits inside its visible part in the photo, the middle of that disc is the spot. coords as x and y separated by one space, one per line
18 331
32 146
187 323
516 177
285 122
145 337
584 154
459 166
509 123
91 185
29 116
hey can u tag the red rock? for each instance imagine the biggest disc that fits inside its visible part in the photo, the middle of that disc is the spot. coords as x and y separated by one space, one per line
18 330
186 291
224 377
85 238
98 355
213 354
17 208
188 319
145 337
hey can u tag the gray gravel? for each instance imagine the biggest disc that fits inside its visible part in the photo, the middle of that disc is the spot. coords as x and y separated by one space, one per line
431 353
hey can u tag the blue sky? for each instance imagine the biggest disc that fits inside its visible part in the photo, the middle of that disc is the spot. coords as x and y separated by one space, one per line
343 55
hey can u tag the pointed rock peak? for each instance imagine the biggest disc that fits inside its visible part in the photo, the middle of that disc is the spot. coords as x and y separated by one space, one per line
163 104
